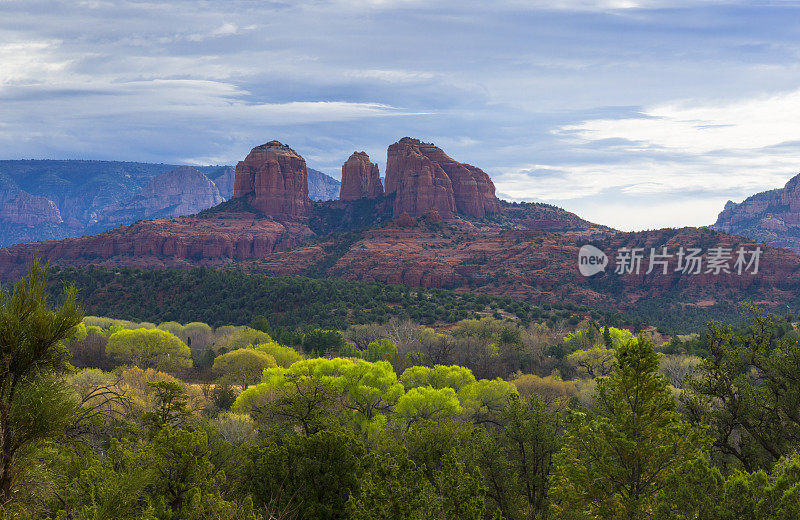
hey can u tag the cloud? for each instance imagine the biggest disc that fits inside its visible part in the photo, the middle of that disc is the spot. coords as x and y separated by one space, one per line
697 128
594 104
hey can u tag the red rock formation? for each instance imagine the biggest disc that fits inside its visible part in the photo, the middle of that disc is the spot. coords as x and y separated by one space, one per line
542 266
176 193
273 180
772 217
360 178
29 210
424 177
181 242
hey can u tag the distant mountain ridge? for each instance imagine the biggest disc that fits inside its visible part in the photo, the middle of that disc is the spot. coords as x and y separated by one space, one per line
47 199
772 217
322 186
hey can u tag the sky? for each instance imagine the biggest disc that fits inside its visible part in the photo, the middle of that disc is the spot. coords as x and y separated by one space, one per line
637 114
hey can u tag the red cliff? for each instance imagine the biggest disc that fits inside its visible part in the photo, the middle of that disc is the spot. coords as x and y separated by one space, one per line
360 178
214 240
423 177
273 180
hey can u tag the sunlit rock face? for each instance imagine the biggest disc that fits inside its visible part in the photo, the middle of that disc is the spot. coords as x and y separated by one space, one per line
273 179
361 178
422 177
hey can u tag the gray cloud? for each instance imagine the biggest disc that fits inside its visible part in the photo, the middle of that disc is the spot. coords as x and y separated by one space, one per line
574 102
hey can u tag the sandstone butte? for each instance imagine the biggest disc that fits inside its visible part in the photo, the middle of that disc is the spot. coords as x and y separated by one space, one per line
360 178
422 177
273 180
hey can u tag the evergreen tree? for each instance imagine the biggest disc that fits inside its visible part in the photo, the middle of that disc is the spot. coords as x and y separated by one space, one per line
618 458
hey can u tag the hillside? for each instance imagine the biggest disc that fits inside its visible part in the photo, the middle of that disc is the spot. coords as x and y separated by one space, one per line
772 217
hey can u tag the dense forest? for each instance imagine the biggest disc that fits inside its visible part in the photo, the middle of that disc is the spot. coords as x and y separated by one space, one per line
493 417
226 297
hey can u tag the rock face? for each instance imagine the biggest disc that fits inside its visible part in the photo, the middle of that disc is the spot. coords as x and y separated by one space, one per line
772 217
29 210
423 177
224 182
215 240
176 193
322 186
273 180
360 178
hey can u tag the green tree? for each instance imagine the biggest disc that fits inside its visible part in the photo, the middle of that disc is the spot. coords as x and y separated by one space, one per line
243 366
448 453
106 487
617 459
187 485
593 362
171 406
439 376
321 342
766 496
284 356
427 403
315 474
149 348
243 337
392 487
33 404
518 460
748 390
380 350
366 391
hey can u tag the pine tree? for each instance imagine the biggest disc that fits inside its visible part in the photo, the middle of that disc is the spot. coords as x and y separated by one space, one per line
618 458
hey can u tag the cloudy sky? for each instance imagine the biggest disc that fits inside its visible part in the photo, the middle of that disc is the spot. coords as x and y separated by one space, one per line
633 113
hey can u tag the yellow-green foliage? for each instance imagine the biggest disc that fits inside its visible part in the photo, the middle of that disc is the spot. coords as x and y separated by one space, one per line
592 362
243 366
369 387
439 376
485 397
173 327
104 323
380 350
149 348
284 356
588 337
372 390
426 402
552 390
241 338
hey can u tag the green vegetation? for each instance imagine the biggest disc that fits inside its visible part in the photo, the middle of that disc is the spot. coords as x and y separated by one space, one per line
484 419
233 297
148 348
